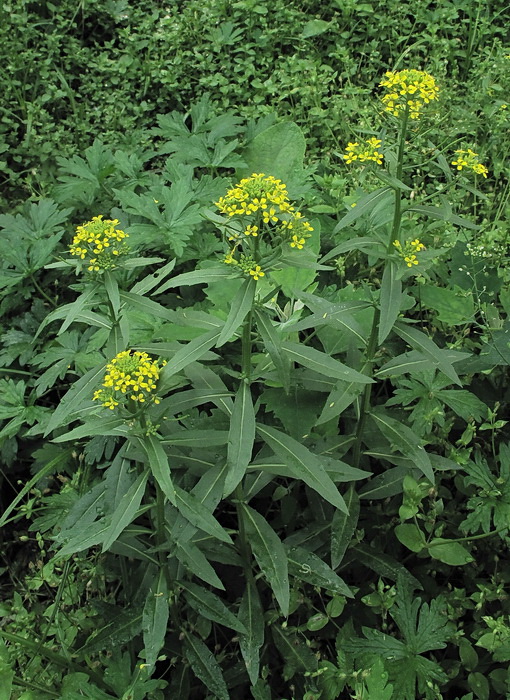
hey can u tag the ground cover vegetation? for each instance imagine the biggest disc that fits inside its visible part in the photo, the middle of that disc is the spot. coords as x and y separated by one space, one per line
255 323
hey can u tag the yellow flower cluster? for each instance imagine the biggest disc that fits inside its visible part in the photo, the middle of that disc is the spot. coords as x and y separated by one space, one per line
408 91
246 263
408 251
469 159
129 375
259 192
101 242
364 152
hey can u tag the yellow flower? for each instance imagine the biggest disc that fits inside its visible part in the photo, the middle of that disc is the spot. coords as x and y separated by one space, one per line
408 91
132 375
100 240
297 242
257 272
469 159
251 231
408 251
368 151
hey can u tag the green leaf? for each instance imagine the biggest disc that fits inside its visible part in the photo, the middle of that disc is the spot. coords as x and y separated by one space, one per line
390 300
251 615
343 526
364 206
273 345
122 627
126 510
241 305
308 567
297 655
148 306
192 351
208 605
443 213
278 151
240 438
198 515
112 291
205 666
405 440
147 284
344 394
383 564
315 27
377 684
95 426
453 306
410 536
322 363
302 463
78 394
270 555
420 341
389 483
195 561
196 438
155 619
158 462
211 274
449 552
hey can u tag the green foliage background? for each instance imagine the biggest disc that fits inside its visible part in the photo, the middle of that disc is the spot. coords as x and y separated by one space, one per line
363 552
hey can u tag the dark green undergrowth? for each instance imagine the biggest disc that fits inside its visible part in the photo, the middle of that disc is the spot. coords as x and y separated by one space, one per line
306 492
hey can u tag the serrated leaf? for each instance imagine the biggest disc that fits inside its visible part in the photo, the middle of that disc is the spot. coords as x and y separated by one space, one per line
208 605
239 309
205 666
310 568
198 515
77 395
390 300
158 462
270 555
251 615
155 619
240 438
126 510
323 364
302 463
343 526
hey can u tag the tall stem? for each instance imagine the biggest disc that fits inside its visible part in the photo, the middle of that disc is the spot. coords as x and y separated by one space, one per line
372 339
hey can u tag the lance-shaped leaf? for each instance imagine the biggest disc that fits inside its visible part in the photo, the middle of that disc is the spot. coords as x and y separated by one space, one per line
419 341
302 463
158 462
196 438
323 364
339 399
273 345
405 440
69 311
270 554
296 654
112 290
122 627
145 285
77 395
240 438
343 526
148 306
241 305
192 351
208 605
155 619
126 510
195 561
205 666
95 426
212 274
390 300
251 614
308 567
198 515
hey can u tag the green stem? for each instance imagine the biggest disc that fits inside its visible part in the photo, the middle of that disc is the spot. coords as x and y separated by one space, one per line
42 292
468 539
372 341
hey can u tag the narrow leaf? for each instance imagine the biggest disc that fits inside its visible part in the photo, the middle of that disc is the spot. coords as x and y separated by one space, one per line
308 567
273 345
198 515
126 510
195 561
112 290
323 364
390 300
207 604
155 619
270 554
158 462
419 341
251 615
192 351
241 305
303 464
343 526
205 666
240 438
212 274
